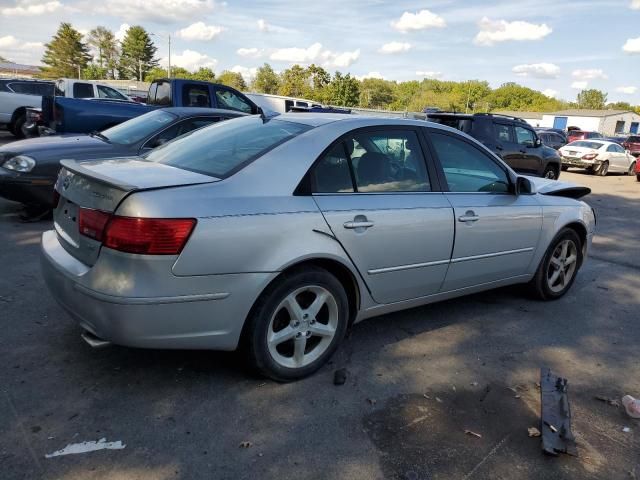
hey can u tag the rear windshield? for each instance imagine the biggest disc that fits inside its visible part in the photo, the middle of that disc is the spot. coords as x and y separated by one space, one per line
139 128
586 144
226 147
634 139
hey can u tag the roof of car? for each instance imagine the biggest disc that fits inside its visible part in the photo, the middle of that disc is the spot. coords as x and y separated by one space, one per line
196 111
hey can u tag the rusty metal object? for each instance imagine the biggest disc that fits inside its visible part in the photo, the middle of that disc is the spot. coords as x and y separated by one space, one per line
555 423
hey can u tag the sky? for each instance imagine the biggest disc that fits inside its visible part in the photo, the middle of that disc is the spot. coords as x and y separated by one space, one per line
555 46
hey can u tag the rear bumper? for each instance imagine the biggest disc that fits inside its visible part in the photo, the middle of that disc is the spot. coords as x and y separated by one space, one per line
27 189
578 162
210 318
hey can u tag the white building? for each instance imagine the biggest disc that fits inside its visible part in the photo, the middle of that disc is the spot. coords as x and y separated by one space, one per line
607 122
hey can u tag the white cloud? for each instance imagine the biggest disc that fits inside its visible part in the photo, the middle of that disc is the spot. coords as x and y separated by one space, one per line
122 31
632 45
266 27
537 70
263 26
395 47
191 60
161 11
635 5
589 74
250 52
26 8
550 92
494 31
315 53
199 31
20 51
579 85
377 75
248 73
627 90
418 21
429 74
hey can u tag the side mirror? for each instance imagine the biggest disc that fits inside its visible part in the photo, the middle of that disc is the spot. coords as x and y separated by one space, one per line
524 186
537 142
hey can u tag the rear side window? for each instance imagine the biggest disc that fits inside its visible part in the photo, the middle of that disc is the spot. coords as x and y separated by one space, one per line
466 168
503 132
331 174
196 96
108 92
83 90
222 149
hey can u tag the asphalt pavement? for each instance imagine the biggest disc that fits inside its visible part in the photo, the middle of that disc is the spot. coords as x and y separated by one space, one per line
416 381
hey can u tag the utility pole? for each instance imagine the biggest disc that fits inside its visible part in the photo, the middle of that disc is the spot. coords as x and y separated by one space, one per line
466 110
169 69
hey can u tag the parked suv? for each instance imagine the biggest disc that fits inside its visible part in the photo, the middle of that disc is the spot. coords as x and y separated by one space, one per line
632 143
511 138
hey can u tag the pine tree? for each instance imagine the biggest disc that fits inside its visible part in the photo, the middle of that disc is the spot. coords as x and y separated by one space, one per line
137 54
66 54
104 41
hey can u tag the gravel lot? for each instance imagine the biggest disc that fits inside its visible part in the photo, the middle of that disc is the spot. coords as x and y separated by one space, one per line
417 380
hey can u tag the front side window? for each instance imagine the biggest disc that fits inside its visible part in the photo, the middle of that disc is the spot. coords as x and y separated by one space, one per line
466 168
196 96
83 90
373 161
228 100
524 136
221 149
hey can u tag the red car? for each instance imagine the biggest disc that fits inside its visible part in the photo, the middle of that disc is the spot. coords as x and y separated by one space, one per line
632 143
574 135
638 171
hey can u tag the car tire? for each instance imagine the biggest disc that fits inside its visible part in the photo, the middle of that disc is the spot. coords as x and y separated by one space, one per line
287 346
550 172
564 168
547 284
603 169
18 124
632 169
637 177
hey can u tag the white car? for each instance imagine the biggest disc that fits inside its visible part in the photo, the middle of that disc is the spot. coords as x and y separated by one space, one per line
598 156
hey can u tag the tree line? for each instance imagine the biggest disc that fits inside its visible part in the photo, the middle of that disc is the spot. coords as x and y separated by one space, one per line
100 55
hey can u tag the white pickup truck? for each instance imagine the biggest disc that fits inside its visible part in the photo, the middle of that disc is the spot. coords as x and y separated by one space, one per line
16 95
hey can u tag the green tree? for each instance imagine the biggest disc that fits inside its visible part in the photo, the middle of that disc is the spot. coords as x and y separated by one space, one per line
376 93
104 41
137 56
94 72
317 81
592 99
232 79
293 82
155 73
511 96
620 106
203 73
266 80
343 90
65 55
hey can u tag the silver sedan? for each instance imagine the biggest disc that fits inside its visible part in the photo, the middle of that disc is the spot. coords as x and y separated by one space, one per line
279 233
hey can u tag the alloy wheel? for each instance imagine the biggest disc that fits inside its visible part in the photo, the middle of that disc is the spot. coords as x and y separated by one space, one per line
562 266
604 169
550 174
302 326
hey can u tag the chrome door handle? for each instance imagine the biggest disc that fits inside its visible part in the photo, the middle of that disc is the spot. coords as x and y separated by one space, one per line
469 216
352 225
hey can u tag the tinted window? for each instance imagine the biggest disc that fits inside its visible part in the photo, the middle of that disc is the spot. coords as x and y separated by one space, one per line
31 88
611 148
503 132
586 144
139 128
223 148
163 94
618 149
108 92
466 168
196 96
524 136
178 129
331 174
83 90
634 139
152 93
229 100
60 88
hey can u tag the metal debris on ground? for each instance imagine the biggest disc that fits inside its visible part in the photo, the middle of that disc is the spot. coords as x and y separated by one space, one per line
534 432
626 429
245 444
556 415
340 376
85 447
611 401
470 432
371 401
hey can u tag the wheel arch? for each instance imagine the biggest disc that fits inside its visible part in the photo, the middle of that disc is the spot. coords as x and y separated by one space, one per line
581 231
17 112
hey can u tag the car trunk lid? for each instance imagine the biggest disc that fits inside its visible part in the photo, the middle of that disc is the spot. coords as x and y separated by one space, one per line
103 185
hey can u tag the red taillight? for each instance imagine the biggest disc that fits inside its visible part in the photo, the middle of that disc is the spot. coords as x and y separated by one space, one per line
92 222
56 199
150 236
589 156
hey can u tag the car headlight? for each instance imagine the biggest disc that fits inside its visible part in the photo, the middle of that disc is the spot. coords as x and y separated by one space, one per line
20 163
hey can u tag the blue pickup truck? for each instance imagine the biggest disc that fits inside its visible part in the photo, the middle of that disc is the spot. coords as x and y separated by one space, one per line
79 115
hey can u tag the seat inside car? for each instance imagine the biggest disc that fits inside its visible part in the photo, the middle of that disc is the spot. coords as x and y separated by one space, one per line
373 169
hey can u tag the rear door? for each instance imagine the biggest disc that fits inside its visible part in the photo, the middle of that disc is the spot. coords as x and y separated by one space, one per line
381 202
496 231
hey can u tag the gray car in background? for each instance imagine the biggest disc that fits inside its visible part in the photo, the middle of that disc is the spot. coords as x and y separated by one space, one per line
278 233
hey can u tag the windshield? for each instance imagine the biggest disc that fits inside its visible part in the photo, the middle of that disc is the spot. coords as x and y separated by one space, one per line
139 128
585 144
222 149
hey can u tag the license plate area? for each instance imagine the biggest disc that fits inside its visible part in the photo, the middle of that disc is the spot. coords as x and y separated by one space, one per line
66 222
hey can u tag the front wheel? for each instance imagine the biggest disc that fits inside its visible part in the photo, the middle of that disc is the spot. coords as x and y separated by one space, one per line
638 177
632 169
17 130
603 169
297 324
558 267
550 172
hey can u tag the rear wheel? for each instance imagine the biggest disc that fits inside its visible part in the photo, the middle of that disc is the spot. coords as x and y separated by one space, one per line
297 324
638 177
564 168
603 169
558 267
18 124
550 172
632 169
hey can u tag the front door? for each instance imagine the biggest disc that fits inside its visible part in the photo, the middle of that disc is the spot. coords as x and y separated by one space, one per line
375 192
531 153
506 145
496 231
